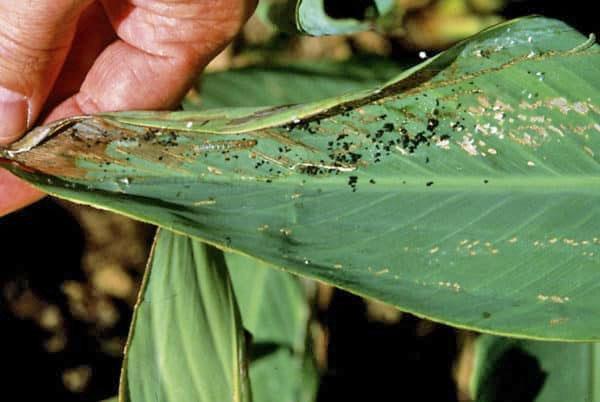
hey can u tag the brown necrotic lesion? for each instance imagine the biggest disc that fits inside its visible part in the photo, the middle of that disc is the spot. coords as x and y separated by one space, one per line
58 152
100 144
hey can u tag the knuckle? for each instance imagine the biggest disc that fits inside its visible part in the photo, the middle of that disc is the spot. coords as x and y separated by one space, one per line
27 45
18 63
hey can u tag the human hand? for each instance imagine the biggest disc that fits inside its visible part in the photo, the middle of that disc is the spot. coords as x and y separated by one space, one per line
60 58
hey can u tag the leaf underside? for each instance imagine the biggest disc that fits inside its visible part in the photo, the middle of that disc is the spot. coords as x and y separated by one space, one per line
465 190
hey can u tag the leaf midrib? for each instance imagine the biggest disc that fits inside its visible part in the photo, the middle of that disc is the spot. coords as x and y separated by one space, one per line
523 183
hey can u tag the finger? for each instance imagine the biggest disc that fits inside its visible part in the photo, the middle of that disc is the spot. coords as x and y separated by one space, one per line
34 40
94 33
162 46
15 193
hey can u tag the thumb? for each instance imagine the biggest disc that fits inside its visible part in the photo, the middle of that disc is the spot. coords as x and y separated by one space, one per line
35 37
14 115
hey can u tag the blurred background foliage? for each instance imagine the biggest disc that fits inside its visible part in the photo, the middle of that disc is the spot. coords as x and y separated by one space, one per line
69 274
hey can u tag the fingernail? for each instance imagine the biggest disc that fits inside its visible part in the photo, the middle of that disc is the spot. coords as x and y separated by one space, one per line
14 110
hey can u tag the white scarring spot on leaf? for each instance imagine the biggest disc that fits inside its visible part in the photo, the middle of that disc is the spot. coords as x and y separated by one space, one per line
565 107
444 144
501 106
571 242
476 110
484 102
467 145
401 150
453 286
499 116
209 201
537 119
553 298
557 130
581 107
560 320
561 103
214 170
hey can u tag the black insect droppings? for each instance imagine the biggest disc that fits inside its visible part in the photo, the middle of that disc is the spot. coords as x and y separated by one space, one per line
310 170
148 135
352 181
429 184
432 124
457 126
388 127
168 139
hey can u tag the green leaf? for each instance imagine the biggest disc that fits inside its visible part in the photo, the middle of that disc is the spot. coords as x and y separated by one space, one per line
384 6
284 376
273 304
186 341
274 308
518 370
465 190
301 82
317 17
